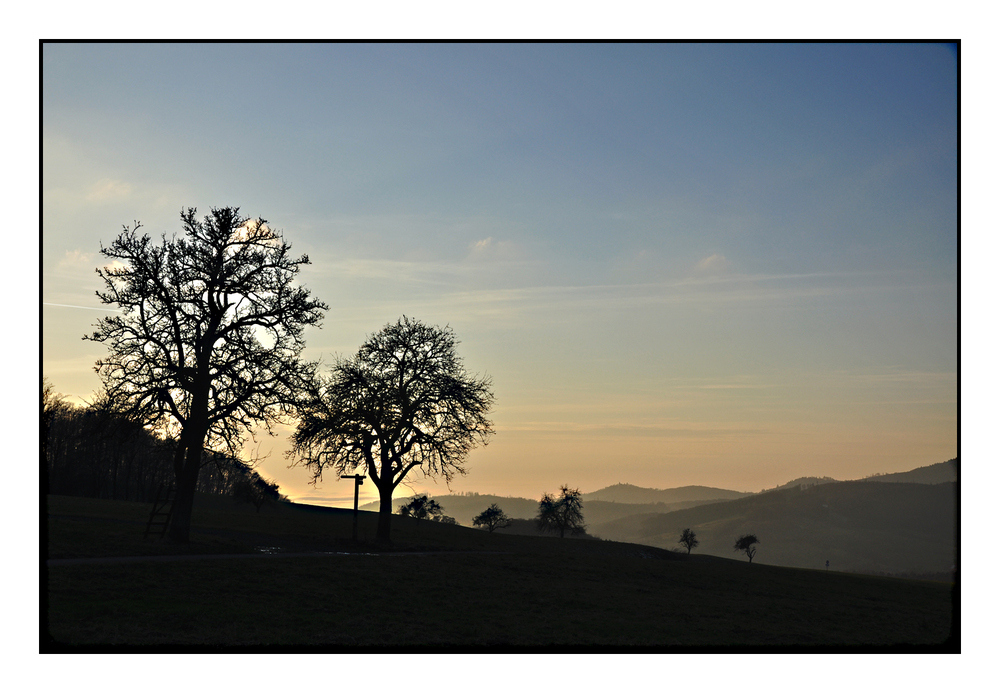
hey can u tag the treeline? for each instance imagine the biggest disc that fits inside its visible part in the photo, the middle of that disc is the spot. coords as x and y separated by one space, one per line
95 452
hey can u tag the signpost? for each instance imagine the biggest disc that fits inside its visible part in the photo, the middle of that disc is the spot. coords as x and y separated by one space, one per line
358 480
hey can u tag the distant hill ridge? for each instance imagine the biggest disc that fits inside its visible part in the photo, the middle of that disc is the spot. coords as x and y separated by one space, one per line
623 500
627 493
939 473
862 526
465 506
805 481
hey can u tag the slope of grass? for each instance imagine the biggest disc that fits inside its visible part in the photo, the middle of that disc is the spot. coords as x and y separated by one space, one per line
477 591
859 526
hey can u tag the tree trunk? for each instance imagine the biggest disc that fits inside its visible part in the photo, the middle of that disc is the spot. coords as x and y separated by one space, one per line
180 518
187 456
187 482
384 512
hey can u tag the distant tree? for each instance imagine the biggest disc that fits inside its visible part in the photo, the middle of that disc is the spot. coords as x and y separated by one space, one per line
491 518
256 490
207 343
420 508
95 451
48 405
445 519
561 513
746 544
688 539
404 402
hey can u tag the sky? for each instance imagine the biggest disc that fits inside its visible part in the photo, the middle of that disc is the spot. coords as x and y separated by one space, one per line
729 265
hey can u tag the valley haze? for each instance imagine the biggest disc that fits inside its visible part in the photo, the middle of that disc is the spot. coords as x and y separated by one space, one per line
902 524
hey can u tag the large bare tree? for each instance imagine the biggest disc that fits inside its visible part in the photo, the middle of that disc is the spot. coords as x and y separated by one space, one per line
208 341
404 402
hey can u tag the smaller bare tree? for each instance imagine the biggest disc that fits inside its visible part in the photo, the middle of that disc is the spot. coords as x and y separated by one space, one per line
746 544
562 513
420 508
491 518
688 539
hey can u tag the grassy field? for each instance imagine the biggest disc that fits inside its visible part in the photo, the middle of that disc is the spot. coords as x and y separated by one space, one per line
446 588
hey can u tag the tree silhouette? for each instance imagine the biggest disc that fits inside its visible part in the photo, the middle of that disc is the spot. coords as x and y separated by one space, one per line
256 490
491 518
688 539
94 451
562 513
208 341
746 544
52 405
404 402
421 507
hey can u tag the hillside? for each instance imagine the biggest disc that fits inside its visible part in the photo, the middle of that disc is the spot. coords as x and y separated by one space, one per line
627 493
901 523
804 481
441 587
465 507
861 526
939 473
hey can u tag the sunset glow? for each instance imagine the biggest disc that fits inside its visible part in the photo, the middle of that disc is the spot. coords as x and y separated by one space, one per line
728 265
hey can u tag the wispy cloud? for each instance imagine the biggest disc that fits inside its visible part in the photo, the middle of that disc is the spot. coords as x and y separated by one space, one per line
713 265
108 189
449 289
716 289
672 430
398 271
491 249
67 305
902 377
73 259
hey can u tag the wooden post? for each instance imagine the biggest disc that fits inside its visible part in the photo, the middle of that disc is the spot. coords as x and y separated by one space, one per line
358 480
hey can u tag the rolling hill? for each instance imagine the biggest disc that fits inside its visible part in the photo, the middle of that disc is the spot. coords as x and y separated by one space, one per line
627 493
465 507
859 526
902 523
931 474
804 481
441 588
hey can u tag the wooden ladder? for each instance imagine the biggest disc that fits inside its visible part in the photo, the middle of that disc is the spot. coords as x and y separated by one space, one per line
163 507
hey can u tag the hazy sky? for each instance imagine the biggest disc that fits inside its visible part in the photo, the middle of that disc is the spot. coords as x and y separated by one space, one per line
728 265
